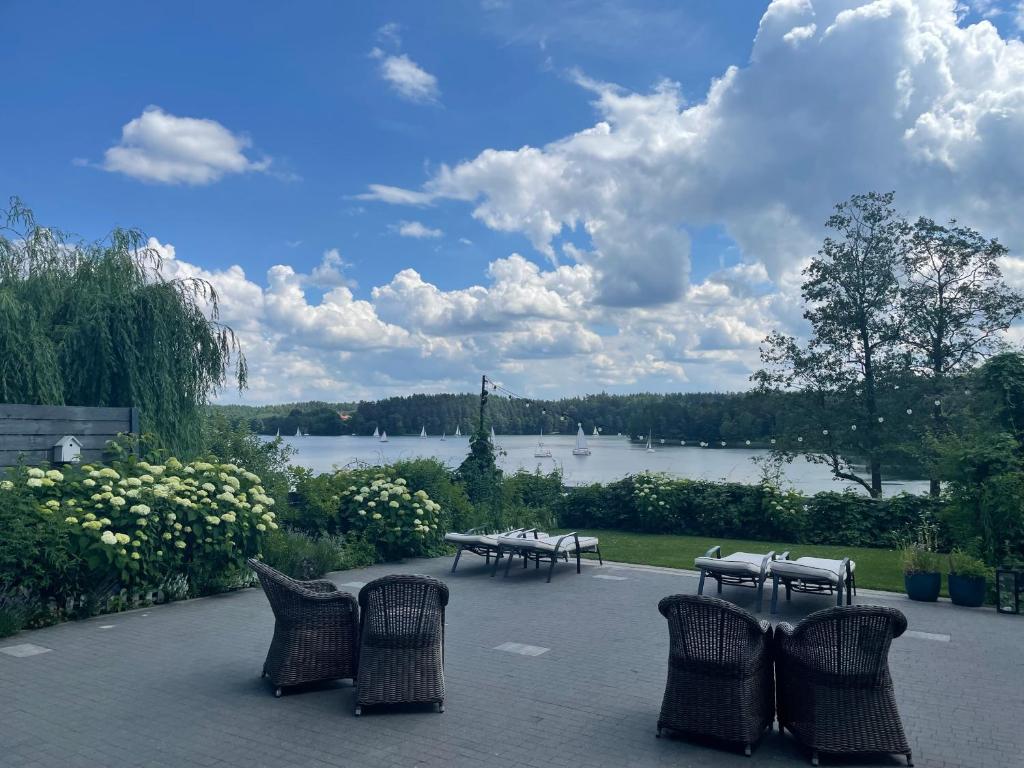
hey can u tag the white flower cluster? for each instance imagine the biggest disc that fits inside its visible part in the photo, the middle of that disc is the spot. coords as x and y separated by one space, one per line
389 502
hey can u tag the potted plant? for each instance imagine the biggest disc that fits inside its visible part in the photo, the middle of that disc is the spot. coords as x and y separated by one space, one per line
921 576
968 579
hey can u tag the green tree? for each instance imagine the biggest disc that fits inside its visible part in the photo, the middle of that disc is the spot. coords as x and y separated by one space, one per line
851 292
98 324
954 304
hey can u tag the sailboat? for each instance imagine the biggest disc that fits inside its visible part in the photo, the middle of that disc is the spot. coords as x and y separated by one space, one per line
581 443
492 435
443 438
541 452
298 431
650 448
458 431
423 433
384 436
596 433
376 432
278 432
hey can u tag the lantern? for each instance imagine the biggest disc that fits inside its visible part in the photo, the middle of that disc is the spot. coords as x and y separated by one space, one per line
1009 589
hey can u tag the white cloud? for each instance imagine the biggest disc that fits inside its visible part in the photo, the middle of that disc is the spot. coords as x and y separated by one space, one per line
417 230
935 112
407 78
162 148
329 273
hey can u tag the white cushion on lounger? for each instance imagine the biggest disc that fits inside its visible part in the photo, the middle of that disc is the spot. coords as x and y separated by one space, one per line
812 569
548 544
736 564
477 539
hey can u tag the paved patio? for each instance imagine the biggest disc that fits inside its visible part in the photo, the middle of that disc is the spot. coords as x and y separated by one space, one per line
562 674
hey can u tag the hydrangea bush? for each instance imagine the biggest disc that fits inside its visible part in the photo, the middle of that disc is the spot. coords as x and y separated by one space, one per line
143 522
399 521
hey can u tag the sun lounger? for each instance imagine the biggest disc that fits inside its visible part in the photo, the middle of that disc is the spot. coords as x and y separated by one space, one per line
479 541
817 575
538 546
745 569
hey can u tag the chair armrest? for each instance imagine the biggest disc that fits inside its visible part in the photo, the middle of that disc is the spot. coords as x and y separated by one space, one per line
766 627
783 556
558 544
784 630
327 597
715 551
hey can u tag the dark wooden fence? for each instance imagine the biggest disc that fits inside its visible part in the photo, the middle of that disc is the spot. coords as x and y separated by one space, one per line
28 432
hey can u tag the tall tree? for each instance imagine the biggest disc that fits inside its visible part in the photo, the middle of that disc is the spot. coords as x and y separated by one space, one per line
98 324
954 303
851 291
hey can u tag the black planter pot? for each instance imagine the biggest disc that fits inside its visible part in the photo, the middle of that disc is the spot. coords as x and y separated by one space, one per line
967 590
923 586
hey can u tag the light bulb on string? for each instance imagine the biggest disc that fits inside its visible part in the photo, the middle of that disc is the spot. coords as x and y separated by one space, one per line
853 427
938 403
773 441
881 419
910 411
824 432
682 442
799 439
748 442
897 386
723 443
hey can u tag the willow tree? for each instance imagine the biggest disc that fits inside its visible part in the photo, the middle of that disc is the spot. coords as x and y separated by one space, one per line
99 324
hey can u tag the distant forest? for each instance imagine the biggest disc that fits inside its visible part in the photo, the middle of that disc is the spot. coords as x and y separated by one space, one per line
691 416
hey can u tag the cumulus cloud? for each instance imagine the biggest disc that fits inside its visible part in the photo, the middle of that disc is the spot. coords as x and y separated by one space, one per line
935 111
162 148
417 230
407 78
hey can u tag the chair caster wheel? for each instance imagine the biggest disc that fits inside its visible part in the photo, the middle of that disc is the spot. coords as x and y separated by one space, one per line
440 708
359 711
278 692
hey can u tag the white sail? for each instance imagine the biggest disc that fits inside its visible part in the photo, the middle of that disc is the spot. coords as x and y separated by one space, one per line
423 433
443 438
278 432
458 431
542 452
596 433
492 434
581 443
298 431
384 436
650 449
376 432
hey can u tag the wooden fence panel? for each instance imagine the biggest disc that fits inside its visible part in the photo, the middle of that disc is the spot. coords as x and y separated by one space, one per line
28 432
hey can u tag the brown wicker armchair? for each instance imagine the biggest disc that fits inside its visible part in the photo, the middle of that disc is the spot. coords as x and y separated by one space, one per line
720 684
835 694
315 630
401 656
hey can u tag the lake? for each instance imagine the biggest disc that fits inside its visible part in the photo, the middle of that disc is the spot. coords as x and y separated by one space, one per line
611 459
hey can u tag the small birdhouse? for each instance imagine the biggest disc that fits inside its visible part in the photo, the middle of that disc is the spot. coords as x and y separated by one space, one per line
67 450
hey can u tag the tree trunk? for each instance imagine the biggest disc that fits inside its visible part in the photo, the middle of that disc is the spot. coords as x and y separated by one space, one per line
876 479
934 487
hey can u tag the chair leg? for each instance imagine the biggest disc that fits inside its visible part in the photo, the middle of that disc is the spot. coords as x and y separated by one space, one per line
910 760
719 584
760 595
839 594
497 560
599 558
746 750
775 594
551 570
456 563
508 565
700 587
578 561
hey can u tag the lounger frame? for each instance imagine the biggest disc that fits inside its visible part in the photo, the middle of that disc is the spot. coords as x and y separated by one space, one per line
478 548
816 586
736 579
527 551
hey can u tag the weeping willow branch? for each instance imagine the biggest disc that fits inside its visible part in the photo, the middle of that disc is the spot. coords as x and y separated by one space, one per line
98 324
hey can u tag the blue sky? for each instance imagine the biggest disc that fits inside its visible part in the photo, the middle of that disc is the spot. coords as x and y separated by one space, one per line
607 195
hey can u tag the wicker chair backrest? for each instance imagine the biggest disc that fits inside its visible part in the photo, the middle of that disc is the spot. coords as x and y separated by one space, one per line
403 611
847 642
283 592
706 630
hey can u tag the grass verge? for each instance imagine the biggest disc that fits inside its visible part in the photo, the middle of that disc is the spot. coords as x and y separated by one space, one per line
876 568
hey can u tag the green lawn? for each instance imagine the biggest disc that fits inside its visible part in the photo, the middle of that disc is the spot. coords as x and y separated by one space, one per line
876 568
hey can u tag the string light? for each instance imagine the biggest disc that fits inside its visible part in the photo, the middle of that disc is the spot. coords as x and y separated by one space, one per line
881 419
910 411
824 431
853 427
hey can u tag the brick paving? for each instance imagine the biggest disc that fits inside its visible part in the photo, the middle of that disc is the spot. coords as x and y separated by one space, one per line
178 685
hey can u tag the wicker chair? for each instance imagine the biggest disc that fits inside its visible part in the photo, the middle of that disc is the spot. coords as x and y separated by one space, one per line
835 694
401 656
315 630
720 684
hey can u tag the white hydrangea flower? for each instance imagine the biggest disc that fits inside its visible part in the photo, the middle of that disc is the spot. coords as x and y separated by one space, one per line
107 537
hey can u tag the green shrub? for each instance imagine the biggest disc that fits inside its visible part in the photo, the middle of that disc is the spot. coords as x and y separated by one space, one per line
918 560
13 611
301 555
963 564
374 504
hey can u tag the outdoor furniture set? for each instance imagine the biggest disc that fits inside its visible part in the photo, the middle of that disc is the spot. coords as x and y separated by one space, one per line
827 679
729 675
815 575
390 641
528 543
